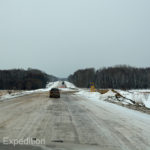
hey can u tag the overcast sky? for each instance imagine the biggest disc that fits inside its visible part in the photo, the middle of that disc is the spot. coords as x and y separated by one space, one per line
61 36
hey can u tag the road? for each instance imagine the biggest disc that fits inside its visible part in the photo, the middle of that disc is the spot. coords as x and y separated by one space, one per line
73 122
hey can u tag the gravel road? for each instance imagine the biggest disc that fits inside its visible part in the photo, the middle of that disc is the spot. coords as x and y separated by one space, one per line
72 122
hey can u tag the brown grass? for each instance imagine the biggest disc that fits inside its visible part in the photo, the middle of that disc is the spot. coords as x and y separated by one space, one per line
3 92
102 91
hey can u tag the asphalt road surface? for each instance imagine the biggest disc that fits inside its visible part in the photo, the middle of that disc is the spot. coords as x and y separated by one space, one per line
72 122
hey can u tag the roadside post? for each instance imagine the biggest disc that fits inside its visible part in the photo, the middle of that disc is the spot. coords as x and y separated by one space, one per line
92 87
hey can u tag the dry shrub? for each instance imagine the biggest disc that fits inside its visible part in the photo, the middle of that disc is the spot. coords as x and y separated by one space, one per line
9 91
3 92
118 95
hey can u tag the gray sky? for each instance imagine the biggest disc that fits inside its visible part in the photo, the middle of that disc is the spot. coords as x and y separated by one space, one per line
61 36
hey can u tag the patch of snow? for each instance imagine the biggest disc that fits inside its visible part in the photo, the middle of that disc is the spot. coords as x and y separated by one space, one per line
70 85
90 95
66 89
108 94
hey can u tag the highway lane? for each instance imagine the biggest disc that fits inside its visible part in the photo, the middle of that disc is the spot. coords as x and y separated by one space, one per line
73 122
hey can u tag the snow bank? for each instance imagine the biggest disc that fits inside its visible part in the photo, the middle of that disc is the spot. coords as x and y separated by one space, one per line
108 94
138 96
128 97
14 95
70 85
96 95
90 95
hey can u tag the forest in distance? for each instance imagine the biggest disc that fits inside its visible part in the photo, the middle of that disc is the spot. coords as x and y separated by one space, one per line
20 79
117 77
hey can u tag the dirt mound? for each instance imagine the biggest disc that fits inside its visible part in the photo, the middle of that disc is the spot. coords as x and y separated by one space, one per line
104 91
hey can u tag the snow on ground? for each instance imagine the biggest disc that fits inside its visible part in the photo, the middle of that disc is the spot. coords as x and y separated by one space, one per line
14 95
127 97
138 96
58 84
70 85
49 86
89 95
141 97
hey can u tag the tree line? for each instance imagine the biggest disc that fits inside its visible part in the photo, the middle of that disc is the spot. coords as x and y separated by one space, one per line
118 77
20 79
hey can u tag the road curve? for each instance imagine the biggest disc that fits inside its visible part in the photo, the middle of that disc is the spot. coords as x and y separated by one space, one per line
73 121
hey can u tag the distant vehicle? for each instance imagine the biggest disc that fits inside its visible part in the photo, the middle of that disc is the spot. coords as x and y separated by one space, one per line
63 85
54 93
